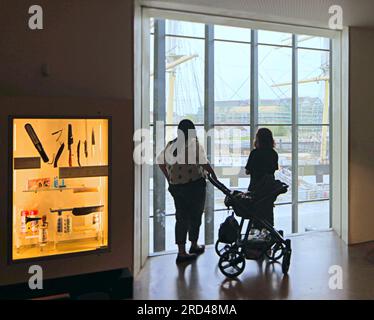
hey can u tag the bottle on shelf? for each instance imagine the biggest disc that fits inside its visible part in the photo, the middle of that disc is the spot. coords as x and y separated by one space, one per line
43 232
68 225
24 214
33 222
96 219
55 182
60 223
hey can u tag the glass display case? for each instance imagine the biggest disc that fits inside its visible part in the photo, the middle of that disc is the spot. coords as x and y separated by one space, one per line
60 196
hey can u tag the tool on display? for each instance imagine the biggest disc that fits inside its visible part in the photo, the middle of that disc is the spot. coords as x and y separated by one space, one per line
79 211
78 153
35 140
70 143
85 142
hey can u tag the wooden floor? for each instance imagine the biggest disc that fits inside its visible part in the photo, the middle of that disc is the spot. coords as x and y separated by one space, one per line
313 254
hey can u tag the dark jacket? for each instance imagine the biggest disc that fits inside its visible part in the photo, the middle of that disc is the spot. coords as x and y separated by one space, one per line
261 162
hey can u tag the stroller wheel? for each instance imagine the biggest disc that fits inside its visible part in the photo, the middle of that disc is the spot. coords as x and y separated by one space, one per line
286 257
276 252
221 248
232 263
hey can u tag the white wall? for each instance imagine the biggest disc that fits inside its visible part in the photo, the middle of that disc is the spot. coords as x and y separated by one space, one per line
361 149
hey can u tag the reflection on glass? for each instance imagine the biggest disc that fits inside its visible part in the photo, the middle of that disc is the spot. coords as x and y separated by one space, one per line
232 83
314 216
184 80
314 170
313 87
275 89
232 33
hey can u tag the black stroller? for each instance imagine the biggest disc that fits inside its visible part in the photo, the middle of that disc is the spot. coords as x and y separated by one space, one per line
233 246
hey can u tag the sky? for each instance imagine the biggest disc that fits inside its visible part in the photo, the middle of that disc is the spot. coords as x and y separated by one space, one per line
232 64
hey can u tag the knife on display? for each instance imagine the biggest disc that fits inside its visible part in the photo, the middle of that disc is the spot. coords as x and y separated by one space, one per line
35 140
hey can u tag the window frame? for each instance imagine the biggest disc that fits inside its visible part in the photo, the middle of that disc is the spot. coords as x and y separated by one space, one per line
338 103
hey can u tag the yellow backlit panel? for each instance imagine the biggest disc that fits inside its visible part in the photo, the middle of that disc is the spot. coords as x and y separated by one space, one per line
59 206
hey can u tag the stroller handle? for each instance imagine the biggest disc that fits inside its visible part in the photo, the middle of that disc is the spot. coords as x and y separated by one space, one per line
219 185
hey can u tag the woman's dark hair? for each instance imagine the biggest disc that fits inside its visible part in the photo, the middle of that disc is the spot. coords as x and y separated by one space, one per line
185 128
264 139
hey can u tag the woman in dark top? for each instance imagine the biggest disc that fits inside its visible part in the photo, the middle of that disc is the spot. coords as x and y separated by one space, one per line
262 161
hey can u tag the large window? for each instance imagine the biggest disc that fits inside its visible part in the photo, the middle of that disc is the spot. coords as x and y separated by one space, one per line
236 80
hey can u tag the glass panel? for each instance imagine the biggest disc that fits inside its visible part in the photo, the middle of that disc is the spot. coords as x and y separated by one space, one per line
59 206
232 33
278 38
231 150
314 170
170 233
169 202
151 184
219 197
184 28
151 235
314 216
232 83
151 25
151 72
283 145
283 218
184 80
313 42
313 88
275 85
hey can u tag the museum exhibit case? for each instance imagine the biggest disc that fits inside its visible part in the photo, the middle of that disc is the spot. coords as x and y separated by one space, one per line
60 186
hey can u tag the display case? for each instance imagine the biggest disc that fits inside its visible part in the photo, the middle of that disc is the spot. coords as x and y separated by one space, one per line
60 186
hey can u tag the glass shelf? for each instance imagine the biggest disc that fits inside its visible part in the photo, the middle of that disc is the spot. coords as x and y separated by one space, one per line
75 189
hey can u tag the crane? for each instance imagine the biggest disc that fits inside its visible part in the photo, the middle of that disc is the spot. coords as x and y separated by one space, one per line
172 62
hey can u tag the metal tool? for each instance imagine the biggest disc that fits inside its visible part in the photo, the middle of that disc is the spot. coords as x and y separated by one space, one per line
35 140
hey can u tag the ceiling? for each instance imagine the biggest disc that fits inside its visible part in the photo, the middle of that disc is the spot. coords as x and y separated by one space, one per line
306 12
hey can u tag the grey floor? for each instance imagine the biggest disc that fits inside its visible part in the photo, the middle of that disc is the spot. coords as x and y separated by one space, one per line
313 254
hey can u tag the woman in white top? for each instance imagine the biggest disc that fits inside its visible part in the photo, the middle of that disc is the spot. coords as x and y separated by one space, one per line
184 162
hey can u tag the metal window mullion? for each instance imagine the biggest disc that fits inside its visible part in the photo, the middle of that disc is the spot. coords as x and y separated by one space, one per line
159 102
295 138
208 125
331 123
254 85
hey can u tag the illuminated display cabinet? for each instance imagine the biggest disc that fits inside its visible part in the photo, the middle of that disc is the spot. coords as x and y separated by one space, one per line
60 186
